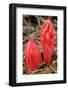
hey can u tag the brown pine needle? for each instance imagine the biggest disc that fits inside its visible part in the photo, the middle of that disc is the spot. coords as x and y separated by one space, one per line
52 68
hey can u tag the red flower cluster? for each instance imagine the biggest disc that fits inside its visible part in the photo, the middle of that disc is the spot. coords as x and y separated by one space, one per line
32 51
32 55
48 40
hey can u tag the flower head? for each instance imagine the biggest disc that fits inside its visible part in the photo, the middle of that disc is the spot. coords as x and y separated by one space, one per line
32 55
47 39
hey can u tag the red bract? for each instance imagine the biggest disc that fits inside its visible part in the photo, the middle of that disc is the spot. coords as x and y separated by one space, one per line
32 55
48 40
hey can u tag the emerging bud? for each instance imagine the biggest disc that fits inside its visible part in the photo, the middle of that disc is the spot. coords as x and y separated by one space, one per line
48 40
32 55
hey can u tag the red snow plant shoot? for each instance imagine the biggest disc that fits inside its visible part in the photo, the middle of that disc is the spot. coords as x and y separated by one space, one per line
47 39
32 55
